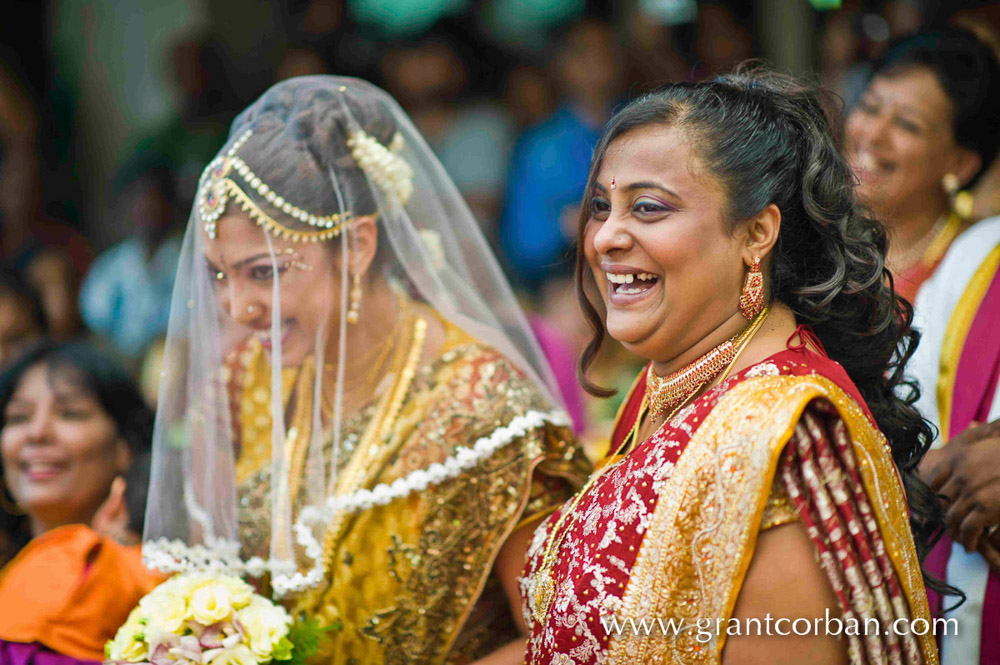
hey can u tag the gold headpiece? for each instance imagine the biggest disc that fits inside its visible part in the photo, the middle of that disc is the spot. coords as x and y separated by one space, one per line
382 164
218 185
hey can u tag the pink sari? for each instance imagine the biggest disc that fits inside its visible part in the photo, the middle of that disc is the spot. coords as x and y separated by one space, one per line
966 390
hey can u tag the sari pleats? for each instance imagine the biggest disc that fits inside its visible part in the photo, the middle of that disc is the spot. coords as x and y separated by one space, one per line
820 471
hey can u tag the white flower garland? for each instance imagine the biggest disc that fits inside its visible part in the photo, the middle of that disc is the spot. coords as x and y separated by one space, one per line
222 555
383 164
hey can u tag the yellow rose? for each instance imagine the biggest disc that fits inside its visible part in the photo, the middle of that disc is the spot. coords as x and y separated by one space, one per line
238 655
129 643
211 603
167 611
239 591
186 584
265 624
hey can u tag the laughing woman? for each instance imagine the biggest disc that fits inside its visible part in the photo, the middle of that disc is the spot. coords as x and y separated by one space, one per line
764 461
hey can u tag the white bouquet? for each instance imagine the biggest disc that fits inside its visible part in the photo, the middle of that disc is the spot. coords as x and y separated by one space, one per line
209 619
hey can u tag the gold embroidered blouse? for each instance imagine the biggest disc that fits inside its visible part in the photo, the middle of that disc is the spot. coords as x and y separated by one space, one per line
411 581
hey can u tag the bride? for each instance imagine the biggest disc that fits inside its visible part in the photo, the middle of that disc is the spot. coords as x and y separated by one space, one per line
354 412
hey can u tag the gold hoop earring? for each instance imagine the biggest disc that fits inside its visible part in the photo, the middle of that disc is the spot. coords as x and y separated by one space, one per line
752 298
354 309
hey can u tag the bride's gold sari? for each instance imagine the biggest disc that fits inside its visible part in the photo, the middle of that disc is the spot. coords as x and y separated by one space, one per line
411 581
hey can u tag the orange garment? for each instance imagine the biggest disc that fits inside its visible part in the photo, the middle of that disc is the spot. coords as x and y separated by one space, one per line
70 589
909 281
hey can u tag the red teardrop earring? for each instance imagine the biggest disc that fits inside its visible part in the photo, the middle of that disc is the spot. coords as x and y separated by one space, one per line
752 298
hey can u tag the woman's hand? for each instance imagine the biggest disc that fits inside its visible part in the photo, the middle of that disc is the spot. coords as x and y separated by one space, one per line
966 473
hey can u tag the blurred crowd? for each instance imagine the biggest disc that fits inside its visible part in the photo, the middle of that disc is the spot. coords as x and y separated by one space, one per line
512 115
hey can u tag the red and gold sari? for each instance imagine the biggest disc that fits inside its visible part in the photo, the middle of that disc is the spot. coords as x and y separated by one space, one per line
669 531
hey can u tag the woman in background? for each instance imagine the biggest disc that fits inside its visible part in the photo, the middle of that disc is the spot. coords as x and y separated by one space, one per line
929 121
71 425
924 131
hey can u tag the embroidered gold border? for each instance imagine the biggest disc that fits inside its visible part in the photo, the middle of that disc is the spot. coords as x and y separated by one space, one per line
956 333
701 539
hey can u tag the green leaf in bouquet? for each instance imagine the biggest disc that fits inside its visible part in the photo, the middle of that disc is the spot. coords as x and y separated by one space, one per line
303 641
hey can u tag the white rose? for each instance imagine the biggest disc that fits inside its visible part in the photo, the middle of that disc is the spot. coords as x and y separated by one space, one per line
239 591
129 643
181 585
211 603
168 611
265 624
238 655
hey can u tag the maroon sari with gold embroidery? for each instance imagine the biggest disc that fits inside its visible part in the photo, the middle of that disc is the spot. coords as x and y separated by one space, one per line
668 532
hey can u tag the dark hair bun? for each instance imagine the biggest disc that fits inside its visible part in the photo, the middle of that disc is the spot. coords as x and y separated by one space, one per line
299 143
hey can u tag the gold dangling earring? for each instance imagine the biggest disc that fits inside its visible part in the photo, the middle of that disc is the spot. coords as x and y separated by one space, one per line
752 298
354 310
961 199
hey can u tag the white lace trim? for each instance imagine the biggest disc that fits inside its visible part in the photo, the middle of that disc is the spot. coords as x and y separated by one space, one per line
222 554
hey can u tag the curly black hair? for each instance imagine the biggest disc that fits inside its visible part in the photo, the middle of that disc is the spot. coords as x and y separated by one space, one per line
769 139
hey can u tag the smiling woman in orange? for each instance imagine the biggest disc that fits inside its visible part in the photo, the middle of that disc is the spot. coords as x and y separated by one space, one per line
70 424
761 453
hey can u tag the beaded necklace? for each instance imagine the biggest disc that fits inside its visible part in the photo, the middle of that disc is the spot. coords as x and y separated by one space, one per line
669 391
368 457
929 249
544 582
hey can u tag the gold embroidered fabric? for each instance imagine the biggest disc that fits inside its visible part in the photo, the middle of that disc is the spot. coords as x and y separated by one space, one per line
701 537
779 509
411 582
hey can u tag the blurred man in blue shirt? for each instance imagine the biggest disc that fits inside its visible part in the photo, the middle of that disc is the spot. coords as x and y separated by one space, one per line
549 167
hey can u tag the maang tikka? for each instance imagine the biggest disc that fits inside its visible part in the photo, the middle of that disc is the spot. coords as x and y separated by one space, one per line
752 298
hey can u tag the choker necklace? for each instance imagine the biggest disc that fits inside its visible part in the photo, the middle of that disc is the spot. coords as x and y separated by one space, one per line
665 393
683 388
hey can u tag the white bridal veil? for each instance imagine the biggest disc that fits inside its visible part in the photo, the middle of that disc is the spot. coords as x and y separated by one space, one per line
265 285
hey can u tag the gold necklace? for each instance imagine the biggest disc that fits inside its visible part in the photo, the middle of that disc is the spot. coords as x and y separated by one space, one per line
754 329
668 391
376 359
931 245
544 584
365 459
